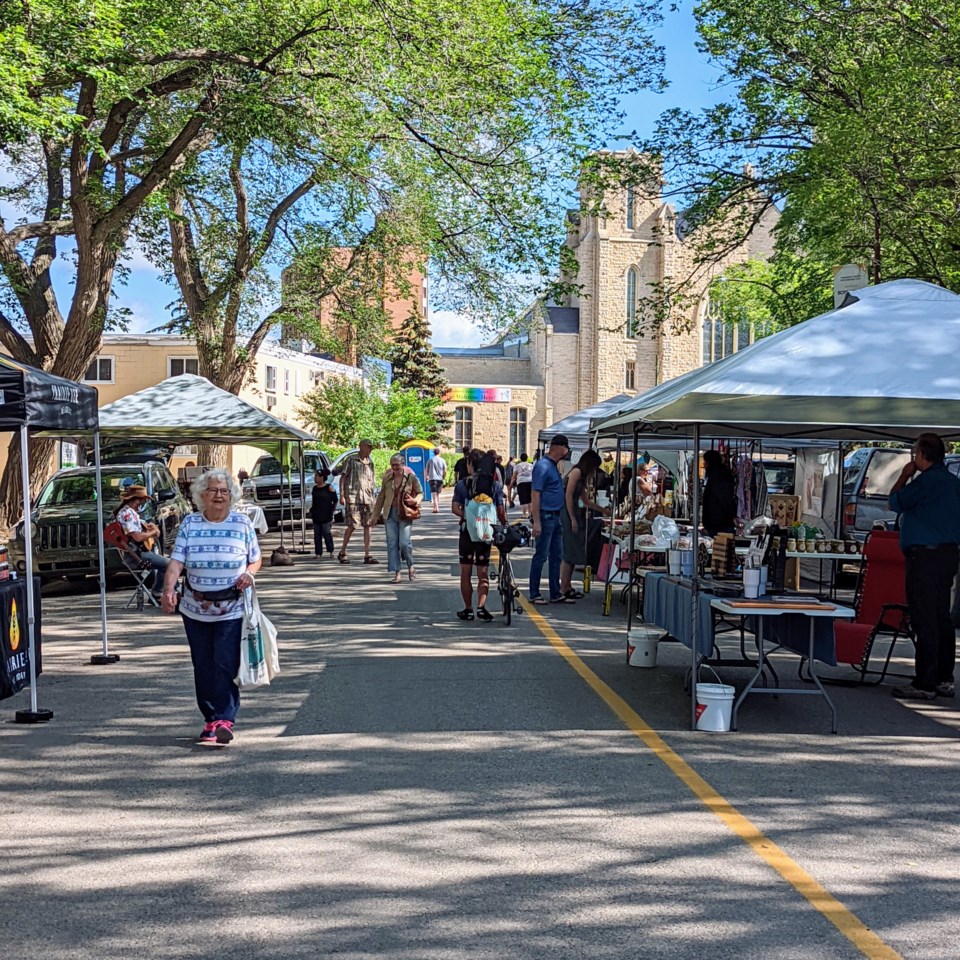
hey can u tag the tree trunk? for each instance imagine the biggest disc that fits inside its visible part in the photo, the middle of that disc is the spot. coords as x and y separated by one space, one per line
11 506
212 455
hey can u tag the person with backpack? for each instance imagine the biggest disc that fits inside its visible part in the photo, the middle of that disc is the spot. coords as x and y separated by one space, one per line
546 504
476 500
436 473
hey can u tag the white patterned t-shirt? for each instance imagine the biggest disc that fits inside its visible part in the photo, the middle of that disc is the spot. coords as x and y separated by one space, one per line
214 555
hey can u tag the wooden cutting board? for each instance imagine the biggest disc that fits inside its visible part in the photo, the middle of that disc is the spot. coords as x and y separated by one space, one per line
762 604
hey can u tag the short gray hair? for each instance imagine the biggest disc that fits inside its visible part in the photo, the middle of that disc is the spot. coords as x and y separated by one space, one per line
398 457
200 485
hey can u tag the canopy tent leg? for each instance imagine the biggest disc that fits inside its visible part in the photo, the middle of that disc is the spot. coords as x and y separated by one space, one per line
282 462
695 585
105 656
34 714
632 497
303 500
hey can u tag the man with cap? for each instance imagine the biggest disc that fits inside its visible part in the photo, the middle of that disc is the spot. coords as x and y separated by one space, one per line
132 500
546 502
357 498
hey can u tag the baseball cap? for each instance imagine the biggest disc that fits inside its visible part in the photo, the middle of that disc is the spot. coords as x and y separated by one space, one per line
365 443
559 440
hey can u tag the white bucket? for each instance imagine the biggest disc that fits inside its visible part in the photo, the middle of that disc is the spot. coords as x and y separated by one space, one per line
751 582
714 706
673 562
642 645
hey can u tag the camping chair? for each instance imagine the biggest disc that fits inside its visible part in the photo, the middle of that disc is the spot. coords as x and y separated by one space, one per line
115 536
881 604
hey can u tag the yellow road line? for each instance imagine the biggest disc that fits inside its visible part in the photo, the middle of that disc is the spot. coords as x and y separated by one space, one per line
860 935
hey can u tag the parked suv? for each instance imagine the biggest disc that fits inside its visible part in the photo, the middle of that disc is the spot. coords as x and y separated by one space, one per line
868 475
270 488
64 517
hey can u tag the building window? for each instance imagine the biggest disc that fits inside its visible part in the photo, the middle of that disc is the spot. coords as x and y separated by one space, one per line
176 366
630 375
272 379
463 426
518 431
286 381
723 337
630 204
100 371
631 326
271 403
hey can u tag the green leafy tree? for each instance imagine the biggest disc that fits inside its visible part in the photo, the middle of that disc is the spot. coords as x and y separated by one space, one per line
846 117
343 411
415 365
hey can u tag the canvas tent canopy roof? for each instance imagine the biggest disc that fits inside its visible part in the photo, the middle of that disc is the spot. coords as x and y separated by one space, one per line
881 368
41 401
576 427
190 409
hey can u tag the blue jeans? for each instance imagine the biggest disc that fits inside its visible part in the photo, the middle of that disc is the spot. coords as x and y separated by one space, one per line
399 542
549 550
215 651
322 535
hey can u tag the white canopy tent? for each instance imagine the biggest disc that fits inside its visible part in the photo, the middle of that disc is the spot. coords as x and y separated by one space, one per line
879 368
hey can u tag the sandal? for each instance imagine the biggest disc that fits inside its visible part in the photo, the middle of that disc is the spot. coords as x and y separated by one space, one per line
484 614
538 601
465 614
396 578
572 594
370 560
342 557
411 574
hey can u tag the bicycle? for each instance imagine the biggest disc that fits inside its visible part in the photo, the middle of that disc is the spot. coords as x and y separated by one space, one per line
506 537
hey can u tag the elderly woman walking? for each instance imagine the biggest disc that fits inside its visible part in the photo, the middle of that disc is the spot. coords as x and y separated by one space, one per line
400 494
217 549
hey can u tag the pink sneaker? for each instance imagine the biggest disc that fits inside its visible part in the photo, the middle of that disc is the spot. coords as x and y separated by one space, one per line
224 732
209 733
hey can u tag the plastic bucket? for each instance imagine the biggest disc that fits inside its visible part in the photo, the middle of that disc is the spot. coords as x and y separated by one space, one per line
642 645
714 707
751 582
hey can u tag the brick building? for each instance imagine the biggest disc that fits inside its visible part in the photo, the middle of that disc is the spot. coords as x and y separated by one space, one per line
592 346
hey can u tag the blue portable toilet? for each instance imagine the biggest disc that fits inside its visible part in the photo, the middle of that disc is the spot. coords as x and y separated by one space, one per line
415 454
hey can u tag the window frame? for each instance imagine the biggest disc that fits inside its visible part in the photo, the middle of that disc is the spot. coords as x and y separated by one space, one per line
630 375
630 291
286 381
270 382
516 443
184 360
98 359
630 203
462 417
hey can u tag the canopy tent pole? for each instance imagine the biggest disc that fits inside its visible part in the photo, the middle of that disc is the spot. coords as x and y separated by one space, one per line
632 496
34 714
695 584
303 499
282 463
98 659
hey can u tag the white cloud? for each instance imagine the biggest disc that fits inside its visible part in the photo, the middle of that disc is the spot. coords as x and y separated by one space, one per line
451 329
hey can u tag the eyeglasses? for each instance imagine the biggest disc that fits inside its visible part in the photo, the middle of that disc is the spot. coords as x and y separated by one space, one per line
218 491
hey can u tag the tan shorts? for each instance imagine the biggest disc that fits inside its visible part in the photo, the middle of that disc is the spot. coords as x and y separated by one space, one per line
358 515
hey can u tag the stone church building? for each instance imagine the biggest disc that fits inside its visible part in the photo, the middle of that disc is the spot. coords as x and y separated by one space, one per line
594 346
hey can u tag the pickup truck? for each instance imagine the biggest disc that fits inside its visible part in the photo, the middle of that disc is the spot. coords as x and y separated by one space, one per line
270 488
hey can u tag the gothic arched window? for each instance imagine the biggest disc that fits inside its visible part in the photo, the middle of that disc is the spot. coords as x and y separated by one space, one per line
631 326
630 208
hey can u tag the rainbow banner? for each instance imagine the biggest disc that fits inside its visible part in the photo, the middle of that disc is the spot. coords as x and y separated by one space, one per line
478 395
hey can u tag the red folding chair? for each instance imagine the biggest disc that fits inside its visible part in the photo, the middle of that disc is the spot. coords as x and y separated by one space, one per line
881 605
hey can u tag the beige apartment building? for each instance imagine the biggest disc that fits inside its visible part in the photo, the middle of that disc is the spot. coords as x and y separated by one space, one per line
130 362
591 347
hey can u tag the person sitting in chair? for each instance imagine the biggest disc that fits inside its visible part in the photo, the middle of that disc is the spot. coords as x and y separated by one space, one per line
141 534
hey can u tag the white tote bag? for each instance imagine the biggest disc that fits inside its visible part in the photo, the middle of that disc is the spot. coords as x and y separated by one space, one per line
259 656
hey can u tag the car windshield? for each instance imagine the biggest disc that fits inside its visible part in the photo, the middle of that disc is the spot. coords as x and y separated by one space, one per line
270 466
80 488
779 476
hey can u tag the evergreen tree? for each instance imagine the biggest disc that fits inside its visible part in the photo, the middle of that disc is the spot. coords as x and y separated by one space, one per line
415 365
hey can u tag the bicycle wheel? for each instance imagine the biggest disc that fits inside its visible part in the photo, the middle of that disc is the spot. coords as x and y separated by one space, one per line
505 588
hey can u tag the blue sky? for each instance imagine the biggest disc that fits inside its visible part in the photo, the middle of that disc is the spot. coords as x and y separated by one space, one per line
693 84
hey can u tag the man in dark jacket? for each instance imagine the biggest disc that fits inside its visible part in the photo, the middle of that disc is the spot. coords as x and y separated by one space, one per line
719 495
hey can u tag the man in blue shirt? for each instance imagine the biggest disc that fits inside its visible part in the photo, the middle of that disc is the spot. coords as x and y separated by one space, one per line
546 502
929 509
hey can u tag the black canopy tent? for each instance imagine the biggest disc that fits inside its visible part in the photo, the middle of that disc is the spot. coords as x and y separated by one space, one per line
32 401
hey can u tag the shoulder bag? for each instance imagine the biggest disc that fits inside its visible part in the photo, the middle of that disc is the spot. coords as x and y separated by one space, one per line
408 508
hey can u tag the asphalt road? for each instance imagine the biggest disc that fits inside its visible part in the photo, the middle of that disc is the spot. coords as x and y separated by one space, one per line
417 788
